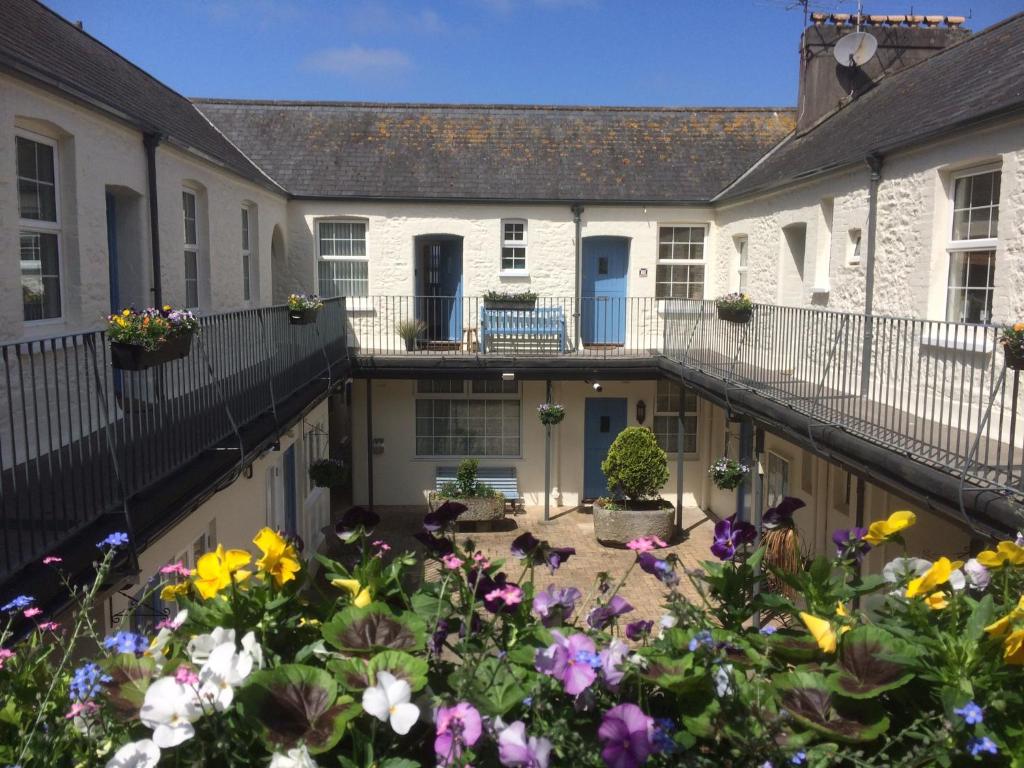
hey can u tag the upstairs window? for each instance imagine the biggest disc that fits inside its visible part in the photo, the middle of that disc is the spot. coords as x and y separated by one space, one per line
513 245
481 419
666 414
247 243
342 266
972 247
680 270
741 263
39 228
188 207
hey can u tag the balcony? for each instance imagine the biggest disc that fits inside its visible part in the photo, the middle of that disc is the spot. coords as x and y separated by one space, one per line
83 445
936 392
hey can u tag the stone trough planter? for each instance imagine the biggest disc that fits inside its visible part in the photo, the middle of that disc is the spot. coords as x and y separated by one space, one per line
489 510
617 527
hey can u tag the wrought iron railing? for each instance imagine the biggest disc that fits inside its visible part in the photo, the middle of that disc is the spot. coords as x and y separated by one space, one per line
78 438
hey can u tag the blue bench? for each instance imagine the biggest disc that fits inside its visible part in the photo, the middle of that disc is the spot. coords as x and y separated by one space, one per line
501 479
522 331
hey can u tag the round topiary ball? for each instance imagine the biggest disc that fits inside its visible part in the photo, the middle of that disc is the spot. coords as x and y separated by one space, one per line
636 467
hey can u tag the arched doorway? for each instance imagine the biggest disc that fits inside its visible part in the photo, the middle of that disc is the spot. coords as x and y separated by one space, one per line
278 267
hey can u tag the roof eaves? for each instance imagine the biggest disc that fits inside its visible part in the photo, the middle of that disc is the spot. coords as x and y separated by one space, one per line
507 200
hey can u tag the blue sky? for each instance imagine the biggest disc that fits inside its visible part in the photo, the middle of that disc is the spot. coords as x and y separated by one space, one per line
643 52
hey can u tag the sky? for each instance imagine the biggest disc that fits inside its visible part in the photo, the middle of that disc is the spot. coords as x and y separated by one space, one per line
627 52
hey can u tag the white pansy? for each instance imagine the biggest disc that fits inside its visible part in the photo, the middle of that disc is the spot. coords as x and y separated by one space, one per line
253 648
293 758
638 660
201 646
957 580
136 754
388 701
163 637
722 678
977 574
667 621
169 709
225 669
901 569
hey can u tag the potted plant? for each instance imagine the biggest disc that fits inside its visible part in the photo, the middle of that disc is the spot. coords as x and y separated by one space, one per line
550 414
734 307
1012 340
636 469
410 330
482 502
302 308
510 300
328 473
727 474
140 340
783 553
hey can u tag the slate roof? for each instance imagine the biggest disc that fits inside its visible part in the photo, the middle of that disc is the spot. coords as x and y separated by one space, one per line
969 82
40 44
499 152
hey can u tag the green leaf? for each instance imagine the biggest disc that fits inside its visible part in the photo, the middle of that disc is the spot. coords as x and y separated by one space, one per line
794 647
131 677
805 695
399 762
982 615
869 665
674 674
494 686
402 665
366 631
294 704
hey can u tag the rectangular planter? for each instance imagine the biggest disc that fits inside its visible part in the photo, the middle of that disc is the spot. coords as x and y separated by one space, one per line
1014 358
130 357
518 304
477 510
302 316
734 315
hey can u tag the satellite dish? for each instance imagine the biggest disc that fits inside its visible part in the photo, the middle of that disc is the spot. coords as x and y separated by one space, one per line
855 49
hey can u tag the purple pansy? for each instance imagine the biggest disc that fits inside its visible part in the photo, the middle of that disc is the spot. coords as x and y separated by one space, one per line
555 556
626 735
637 630
850 543
524 545
603 615
611 659
353 520
555 605
443 516
457 727
662 569
570 661
781 515
436 545
730 535
516 750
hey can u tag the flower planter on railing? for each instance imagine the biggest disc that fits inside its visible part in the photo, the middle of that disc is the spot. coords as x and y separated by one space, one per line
734 315
734 308
1014 358
302 316
303 309
132 357
1012 339
140 340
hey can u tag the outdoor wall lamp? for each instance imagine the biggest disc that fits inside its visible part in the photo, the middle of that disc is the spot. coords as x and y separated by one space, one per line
378 446
508 377
641 411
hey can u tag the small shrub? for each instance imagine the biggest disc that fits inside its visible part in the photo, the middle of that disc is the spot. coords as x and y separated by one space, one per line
410 330
449 490
636 467
510 296
466 477
734 301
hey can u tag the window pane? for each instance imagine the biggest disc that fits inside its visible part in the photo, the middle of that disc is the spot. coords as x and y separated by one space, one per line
37 194
438 386
26 158
246 287
976 206
667 400
191 279
188 207
245 229
513 258
971 280
343 278
468 427
40 276
342 238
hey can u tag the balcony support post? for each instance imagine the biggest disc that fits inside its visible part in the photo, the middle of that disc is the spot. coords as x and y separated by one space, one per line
680 454
577 220
757 480
151 141
369 444
874 162
547 460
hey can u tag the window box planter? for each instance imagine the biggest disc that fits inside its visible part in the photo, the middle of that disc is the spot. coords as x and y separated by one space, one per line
302 316
519 304
132 357
1014 358
730 315
617 527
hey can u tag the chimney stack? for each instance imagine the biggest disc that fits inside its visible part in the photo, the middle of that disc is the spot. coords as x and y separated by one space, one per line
903 41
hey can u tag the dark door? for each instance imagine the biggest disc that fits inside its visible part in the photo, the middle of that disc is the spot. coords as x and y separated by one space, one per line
291 511
112 265
604 418
605 261
441 307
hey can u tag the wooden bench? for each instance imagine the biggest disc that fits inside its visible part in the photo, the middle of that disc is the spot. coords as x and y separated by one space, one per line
522 331
501 479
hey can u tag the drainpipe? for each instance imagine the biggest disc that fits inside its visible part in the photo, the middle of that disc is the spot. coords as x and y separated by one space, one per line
151 141
577 214
874 162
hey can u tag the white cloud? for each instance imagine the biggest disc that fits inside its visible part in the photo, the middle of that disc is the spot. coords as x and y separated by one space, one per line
357 61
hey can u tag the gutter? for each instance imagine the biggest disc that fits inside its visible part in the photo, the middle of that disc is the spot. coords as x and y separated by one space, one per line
874 162
150 142
577 220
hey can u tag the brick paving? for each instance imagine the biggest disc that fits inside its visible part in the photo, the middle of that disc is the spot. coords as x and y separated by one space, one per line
569 527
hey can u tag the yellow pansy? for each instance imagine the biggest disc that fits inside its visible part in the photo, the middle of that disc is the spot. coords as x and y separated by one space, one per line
933 578
172 592
1013 647
360 593
937 601
840 609
280 559
215 570
126 312
304 622
822 631
881 530
1006 552
1001 626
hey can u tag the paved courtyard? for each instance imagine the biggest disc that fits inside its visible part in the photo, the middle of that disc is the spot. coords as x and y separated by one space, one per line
569 527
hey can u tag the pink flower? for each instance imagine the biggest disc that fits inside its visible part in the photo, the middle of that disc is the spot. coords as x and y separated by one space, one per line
52 559
176 569
509 594
48 626
30 612
451 562
646 544
5 654
382 546
185 676
81 708
481 560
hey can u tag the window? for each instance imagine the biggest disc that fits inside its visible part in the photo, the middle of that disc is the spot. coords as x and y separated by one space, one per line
823 266
39 228
513 246
842 489
666 412
188 205
853 249
247 242
972 247
680 270
777 480
342 269
483 422
741 262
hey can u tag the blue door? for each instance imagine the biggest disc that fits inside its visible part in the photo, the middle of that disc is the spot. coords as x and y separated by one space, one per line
441 307
291 511
604 418
605 261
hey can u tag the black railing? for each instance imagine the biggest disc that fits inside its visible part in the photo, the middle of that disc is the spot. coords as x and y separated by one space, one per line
78 438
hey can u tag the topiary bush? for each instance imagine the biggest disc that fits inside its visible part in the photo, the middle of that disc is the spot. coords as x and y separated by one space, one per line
636 467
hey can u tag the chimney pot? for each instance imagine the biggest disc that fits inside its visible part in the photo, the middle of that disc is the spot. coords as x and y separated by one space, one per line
955 21
934 21
819 18
840 18
914 21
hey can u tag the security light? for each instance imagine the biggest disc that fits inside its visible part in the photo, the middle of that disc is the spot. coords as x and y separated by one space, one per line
508 377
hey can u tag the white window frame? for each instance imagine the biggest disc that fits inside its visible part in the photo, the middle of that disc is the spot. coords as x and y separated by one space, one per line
788 480
675 415
855 236
247 251
506 243
742 262
191 249
41 226
467 394
702 262
960 247
365 258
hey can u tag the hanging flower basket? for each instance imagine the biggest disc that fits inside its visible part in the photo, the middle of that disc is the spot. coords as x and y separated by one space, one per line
734 308
550 414
1012 340
140 340
728 474
303 309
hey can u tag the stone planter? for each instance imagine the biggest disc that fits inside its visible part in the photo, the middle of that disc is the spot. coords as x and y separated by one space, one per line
618 527
731 315
487 510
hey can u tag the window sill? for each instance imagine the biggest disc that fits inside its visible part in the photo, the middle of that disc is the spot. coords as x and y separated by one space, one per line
514 273
821 289
941 339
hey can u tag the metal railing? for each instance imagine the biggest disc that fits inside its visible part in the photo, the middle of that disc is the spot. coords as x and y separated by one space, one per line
78 438
935 391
